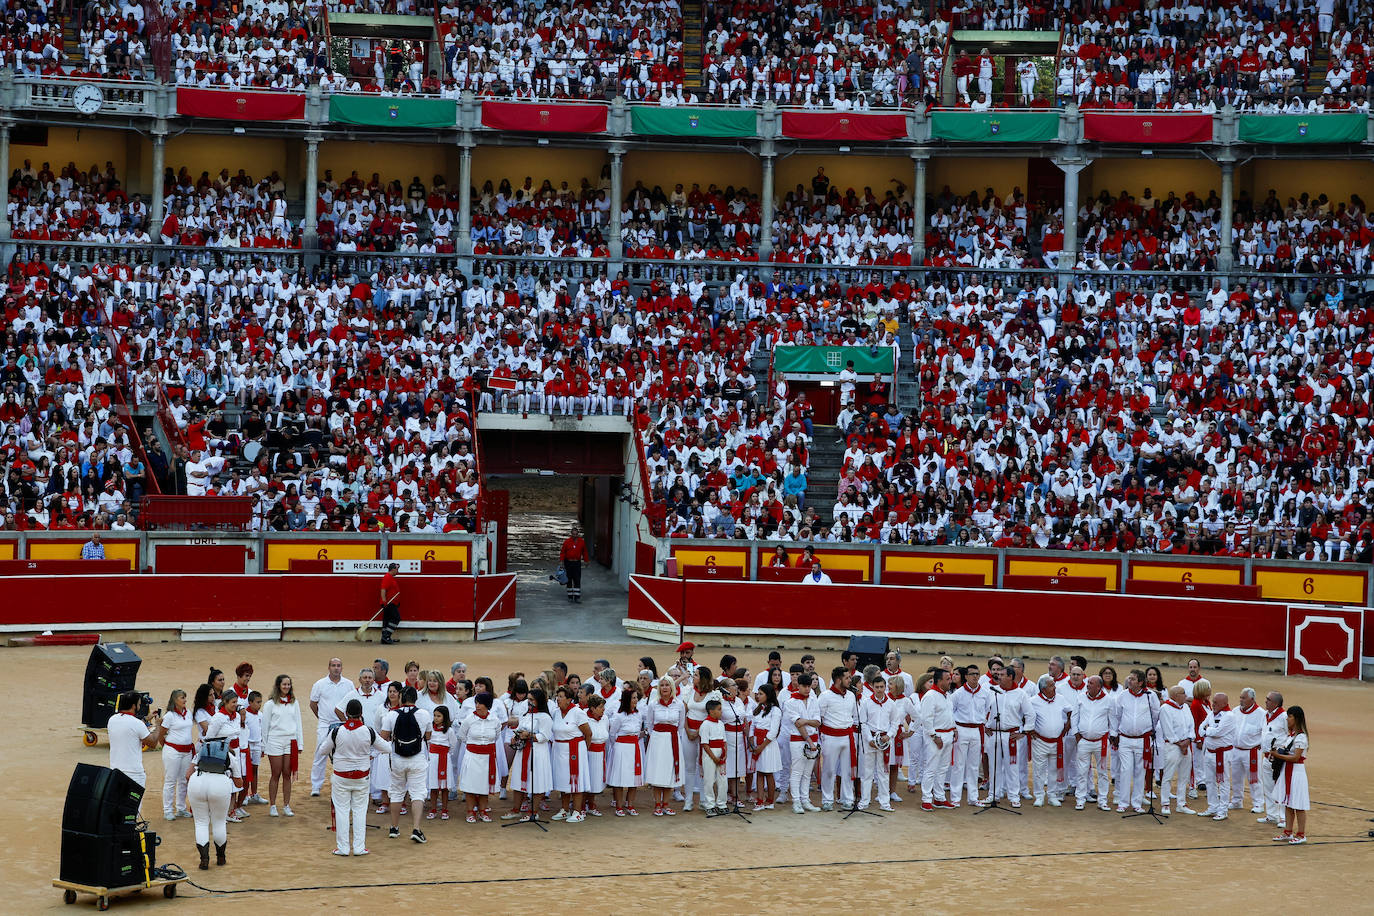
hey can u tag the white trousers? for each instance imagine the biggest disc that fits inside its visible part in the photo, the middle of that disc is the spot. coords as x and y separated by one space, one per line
691 773
800 775
836 762
968 756
350 808
873 771
713 784
1177 765
1023 757
209 795
938 762
175 763
1004 765
1045 770
1130 772
1272 808
1239 761
1218 784
1087 756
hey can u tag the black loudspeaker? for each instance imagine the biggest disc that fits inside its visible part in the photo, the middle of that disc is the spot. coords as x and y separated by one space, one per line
111 670
113 666
872 650
108 861
101 801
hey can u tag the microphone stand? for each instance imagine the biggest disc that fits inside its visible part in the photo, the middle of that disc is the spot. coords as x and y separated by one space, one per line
996 759
529 777
857 779
736 809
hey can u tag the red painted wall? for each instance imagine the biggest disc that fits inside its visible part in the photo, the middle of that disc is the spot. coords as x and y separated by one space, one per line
1073 618
176 599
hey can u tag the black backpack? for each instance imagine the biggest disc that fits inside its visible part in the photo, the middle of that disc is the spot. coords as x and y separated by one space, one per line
406 738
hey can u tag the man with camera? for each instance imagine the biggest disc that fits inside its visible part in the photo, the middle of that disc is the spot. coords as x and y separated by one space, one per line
129 735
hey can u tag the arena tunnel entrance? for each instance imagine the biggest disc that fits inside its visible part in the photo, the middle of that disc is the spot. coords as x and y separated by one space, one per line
555 478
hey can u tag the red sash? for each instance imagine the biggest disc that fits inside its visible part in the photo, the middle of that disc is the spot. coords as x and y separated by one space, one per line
488 751
295 757
952 744
639 760
1147 755
352 774
677 751
1288 778
573 757
596 747
844 733
715 744
441 750
760 735
694 724
180 748
1220 753
1254 764
982 732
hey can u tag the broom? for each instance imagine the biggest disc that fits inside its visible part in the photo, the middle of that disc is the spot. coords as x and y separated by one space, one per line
361 632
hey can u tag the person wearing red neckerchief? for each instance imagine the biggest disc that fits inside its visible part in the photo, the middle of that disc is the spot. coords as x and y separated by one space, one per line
1275 734
838 713
352 746
1135 718
970 705
1048 722
1218 738
281 741
1245 756
1194 675
1176 743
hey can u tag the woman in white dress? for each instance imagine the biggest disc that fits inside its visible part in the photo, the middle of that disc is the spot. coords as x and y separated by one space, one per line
626 769
281 741
462 696
1290 786
664 719
179 737
570 737
380 783
479 735
531 772
734 713
767 756
594 773
695 696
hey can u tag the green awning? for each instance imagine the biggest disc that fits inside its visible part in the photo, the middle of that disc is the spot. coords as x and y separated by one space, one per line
995 126
384 111
1340 127
817 360
649 120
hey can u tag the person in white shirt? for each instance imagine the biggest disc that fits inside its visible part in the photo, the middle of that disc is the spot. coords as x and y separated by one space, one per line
1194 675
1006 722
970 706
1175 745
1092 726
129 735
1218 733
817 575
1245 755
1048 723
281 741
714 753
178 734
218 773
875 720
1135 716
801 725
352 747
937 717
837 711
1275 733
409 762
326 697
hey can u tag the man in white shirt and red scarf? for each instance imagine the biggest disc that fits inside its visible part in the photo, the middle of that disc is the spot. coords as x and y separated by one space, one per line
1048 723
1246 761
1135 716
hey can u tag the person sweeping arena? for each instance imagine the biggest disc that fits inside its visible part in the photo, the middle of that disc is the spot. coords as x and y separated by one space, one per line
851 732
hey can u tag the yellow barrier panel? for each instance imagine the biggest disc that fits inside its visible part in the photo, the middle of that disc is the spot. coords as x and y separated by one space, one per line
1210 575
71 550
713 556
1019 567
935 563
1308 585
460 553
281 553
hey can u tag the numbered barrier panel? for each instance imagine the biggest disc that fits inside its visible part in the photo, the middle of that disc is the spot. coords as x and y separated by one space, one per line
1060 568
1325 642
281 553
1201 573
1333 586
127 549
983 565
735 558
429 551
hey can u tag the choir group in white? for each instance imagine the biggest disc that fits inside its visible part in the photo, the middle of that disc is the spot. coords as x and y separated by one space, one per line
714 739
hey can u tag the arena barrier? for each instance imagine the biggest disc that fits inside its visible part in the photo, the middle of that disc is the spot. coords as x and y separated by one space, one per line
255 607
753 612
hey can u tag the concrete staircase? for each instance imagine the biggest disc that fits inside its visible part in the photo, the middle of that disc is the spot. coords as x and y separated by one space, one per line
823 477
693 31
1320 64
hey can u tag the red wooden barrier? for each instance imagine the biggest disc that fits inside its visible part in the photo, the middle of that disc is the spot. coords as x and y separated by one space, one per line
1063 619
793 574
64 567
1192 589
1055 583
939 580
714 572
200 558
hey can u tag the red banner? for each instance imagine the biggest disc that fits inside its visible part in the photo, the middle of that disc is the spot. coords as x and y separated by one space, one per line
1147 127
842 125
240 106
544 119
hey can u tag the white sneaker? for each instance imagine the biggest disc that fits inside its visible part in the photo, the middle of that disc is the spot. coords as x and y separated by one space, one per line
797 808
561 815
1039 801
687 805
1184 809
1207 813
1164 809
895 797
885 807
1219 816
1055 803
1078 805
286 810
272 811
169 817
576 817
1258 811
808 806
